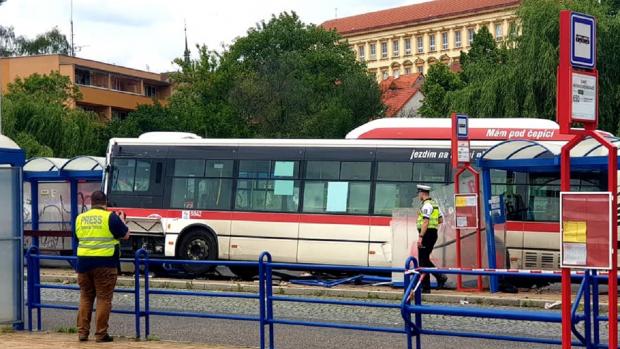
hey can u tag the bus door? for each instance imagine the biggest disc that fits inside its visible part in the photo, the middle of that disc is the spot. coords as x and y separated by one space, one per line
266 203
335 222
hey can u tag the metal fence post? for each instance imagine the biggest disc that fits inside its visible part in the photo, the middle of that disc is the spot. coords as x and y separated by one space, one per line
269 283
36 264
30 284
595 309
147 296
261 300
587 326
136 293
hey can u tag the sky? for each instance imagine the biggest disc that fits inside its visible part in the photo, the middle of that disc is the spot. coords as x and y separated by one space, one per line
148 34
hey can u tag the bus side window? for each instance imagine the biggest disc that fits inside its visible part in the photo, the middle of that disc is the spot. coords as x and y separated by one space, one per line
337 187
265 185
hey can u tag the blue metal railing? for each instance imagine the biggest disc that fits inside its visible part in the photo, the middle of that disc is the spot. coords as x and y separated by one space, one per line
411 313
588 293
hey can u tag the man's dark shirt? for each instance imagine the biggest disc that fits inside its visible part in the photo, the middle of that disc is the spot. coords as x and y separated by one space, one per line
118 230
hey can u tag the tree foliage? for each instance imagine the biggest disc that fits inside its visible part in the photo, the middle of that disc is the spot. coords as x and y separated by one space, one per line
283 79
518 79
36 113
50 42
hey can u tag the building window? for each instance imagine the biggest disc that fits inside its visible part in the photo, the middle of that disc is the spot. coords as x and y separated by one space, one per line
373 51
421 69
82 77
499 31
119 114
512 30
431 46
407 70
457 39
420 41
408 46
384 49
444 40
385 74
471 32
395 48
361 53
150 91
396 73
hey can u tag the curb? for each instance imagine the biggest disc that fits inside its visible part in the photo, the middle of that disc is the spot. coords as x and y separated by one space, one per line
294 290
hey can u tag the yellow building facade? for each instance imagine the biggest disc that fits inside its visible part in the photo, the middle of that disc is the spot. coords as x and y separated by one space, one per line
107 89
411 38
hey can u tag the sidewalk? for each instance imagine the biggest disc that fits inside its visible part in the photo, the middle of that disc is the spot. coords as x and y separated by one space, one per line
44 340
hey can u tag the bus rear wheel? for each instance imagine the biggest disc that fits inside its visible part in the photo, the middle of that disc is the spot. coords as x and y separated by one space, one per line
197 245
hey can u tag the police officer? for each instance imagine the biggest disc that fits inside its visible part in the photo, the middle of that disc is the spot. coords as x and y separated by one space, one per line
98 232
429 219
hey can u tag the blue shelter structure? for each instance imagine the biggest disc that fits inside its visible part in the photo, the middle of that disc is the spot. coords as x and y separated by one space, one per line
12 160
528 156
81 175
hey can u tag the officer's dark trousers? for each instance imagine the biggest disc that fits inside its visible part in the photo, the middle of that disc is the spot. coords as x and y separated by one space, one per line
424 256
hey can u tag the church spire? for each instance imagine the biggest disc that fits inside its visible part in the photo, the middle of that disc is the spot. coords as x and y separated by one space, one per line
186 53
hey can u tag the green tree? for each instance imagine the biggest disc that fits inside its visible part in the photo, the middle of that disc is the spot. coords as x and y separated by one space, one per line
299 80
439 81
36 113
49 42
283 79
521 81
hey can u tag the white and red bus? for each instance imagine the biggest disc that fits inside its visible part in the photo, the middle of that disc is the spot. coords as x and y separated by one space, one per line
312 201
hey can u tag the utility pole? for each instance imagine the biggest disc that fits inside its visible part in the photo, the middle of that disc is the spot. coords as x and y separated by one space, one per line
72 43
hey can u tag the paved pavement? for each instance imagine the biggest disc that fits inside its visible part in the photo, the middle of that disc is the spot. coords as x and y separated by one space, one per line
65 341
245 334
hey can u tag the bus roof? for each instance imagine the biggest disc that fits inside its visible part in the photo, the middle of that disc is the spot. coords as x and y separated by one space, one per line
262 142
441 128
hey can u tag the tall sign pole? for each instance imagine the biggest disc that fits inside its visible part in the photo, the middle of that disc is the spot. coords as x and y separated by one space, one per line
467 212
577 103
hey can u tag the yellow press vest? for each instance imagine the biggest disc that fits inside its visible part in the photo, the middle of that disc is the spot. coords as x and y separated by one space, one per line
433 221
93 232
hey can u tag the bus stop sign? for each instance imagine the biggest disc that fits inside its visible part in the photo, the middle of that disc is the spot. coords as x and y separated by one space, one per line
583 41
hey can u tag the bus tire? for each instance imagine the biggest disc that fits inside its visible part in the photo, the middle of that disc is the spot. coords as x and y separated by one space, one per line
197 244
244 273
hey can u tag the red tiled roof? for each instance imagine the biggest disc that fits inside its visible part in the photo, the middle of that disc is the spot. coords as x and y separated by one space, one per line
395 93
422 12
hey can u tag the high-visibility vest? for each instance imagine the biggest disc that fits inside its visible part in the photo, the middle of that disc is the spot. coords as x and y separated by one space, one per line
433 220
93 232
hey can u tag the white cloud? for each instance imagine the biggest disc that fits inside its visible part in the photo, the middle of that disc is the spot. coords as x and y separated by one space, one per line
141 33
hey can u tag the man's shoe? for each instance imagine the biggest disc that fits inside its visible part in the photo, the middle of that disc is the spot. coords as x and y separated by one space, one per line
441 282
105 339
83 338
426 291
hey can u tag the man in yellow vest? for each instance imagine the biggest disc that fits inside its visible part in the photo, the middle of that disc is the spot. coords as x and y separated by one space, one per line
98 232
429 219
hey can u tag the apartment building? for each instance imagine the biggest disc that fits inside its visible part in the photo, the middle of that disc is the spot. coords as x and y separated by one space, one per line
409 39
107 89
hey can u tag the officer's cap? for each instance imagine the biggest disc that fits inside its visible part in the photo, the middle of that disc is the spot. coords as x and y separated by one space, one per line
425 188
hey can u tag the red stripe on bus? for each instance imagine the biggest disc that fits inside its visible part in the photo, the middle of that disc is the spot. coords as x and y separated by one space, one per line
260 216
533 227
474 133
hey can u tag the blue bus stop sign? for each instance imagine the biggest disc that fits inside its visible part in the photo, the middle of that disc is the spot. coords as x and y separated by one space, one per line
583 41
462 126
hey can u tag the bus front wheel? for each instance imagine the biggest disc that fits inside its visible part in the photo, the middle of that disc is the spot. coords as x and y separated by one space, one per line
197 245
